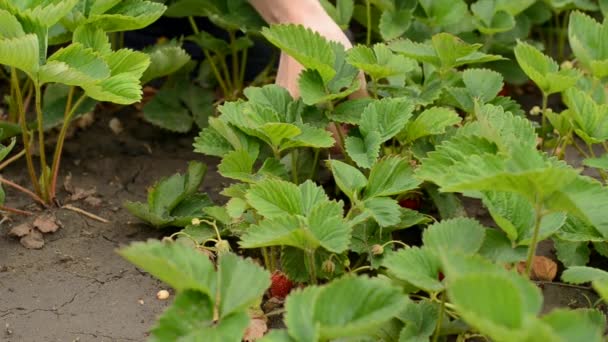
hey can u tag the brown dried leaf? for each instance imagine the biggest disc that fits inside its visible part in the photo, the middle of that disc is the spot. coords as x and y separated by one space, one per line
80 193
47 223
67 183
543 268
20 230
33 240
93 201
256 329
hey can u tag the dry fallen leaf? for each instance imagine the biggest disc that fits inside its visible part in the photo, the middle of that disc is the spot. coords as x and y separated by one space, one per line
67 183
80 193
93 201
46 223
256 329
20 230
543 268
33 240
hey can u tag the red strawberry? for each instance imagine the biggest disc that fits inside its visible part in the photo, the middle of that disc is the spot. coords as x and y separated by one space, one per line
410 203
280 285
440 276
504 91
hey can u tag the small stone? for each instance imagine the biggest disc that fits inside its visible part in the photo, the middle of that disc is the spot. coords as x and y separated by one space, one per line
116 126
162 294
33 240
141 302
20 230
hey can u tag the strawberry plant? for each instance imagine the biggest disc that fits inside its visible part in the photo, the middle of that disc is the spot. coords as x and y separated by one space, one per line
88 66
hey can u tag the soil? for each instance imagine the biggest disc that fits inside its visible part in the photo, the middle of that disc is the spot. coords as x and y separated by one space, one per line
76 288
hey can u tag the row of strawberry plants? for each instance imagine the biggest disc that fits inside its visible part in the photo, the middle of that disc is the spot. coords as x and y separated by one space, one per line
432 125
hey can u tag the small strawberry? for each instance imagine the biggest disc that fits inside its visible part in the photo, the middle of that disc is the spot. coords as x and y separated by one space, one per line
280 285
440 276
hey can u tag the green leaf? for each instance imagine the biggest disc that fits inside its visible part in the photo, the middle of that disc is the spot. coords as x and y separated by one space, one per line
191 318
165 59
242 284
349 111
349 179
127 15
572 253
504 320
387 117
379 61
314 91
394 24
309 48
237 165
364 151
443 13
431 121
583 324
92 37
482 84
489 19
598 163
74 65
418 266
498 248
587 116
583 274
543 70
460 234
390 176
585 36
182 267
50 12
166 111
341 13
21 53
348 307
275 198
11 27
385 211
420 321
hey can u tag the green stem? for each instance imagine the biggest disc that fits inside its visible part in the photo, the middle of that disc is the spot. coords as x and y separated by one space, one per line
532 249
214 68
235 60
25 134
22 189
266 259
227 77
563 28
439 319
579 149
368 15
70 110
242 70
543 126
12 159
294 166
40 122
312 267
313 171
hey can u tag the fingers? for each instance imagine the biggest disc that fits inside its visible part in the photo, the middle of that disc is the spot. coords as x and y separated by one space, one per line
288 73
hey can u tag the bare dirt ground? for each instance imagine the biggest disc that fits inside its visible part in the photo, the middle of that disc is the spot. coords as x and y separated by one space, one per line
76 288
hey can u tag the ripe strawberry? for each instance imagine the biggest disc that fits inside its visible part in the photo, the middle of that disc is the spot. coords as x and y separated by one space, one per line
410 203
440 276
504 91
280 285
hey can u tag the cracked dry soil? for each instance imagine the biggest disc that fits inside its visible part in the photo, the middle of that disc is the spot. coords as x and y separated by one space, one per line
76 288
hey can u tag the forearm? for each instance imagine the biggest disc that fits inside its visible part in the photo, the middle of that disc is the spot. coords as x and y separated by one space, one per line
289 11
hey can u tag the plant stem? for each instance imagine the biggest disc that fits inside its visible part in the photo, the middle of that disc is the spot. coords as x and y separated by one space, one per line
313 171
312 267
368 14
22 189
532 249
16 211
242 70
266 259
67 118
235 60
40 122
294 166
25 134
212 64
563 28
439 319
543 127
12 159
